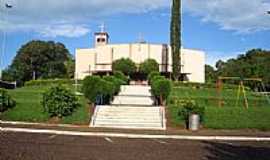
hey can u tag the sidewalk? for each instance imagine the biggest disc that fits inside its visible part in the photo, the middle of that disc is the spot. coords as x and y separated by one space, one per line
168 132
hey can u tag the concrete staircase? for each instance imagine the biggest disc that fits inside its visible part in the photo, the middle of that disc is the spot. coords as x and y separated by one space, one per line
132 109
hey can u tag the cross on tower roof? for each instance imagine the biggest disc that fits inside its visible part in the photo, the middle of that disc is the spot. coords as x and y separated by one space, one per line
102 27
141 38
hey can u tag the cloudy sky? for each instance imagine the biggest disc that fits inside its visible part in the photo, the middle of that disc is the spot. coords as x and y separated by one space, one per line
222 28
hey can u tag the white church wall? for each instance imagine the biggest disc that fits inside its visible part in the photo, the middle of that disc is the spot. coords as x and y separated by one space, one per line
101 58
139 53
156 53
120 51
85 62
193 62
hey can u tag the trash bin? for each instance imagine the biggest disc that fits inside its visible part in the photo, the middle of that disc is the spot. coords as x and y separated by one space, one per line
194 122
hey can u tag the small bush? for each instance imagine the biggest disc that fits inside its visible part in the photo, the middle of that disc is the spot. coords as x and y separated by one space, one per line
188 107
6 101
46 82
161 88
121 75
148 66
152 75
59 102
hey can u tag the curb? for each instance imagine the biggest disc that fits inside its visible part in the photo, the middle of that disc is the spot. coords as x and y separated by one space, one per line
136 136
39 124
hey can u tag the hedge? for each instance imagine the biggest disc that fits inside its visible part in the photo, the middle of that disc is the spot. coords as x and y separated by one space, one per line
46 82
161 88
6 101
121 75
101 90
203 85
152 75
116 83
91 87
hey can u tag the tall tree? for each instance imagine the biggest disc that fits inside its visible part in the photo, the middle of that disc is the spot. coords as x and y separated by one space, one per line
254 64
176 38
39 59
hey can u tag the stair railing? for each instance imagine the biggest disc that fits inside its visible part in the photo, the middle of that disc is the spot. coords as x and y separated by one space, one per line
94 117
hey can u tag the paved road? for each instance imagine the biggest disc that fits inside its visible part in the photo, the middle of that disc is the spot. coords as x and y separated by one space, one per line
24 146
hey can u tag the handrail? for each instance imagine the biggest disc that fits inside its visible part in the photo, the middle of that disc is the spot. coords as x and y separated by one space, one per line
93 121
163 117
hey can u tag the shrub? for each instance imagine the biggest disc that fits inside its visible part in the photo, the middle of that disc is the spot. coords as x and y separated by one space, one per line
121 75
107 90
116 83
161 88
125 65
46 82
152 75
188 107
155 78
148 66
91 87
101 90
6 101
59 102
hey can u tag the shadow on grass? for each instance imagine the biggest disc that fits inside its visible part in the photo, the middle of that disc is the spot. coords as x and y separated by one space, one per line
237 151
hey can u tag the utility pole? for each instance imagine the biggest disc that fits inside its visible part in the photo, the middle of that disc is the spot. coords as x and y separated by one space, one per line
6 6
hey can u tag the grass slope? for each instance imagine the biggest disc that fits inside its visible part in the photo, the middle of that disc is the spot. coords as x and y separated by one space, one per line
29 108
228 116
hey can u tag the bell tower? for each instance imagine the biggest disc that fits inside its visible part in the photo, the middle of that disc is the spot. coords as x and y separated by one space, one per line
102 37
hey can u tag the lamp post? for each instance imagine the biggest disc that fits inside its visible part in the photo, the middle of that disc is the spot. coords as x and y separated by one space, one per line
6 6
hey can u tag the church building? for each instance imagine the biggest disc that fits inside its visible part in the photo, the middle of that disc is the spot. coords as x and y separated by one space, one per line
98 60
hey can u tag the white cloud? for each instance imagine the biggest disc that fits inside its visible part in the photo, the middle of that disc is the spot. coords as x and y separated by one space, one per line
242 16
68 17
64 30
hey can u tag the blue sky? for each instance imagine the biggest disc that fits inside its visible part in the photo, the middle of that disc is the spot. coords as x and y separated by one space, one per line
222 28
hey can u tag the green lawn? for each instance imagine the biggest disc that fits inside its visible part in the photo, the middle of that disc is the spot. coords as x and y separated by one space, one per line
29 108
228 116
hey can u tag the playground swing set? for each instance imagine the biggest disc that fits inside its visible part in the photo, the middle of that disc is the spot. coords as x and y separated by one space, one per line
241 89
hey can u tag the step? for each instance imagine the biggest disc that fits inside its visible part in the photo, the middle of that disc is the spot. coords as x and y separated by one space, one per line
133 114
128 107
154 117
124 110
132 109
137 125
132 100
135 90
128 114
118 120
130 127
